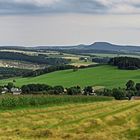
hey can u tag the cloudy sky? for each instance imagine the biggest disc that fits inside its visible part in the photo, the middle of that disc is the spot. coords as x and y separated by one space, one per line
69 22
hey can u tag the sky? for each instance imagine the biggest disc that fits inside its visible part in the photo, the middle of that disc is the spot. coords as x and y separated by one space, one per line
69 22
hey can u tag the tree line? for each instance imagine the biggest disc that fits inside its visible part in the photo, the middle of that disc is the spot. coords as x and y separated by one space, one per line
50 69
12 72
49 90
132 89
55 90
128 63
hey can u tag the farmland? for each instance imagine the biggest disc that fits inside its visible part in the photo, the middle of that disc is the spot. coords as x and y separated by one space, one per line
107 76
110 120
10 61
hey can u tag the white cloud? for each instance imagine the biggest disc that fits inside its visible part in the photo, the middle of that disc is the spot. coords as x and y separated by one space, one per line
38 2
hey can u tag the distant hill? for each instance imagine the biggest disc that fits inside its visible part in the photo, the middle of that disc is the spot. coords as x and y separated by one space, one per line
112 47
95 47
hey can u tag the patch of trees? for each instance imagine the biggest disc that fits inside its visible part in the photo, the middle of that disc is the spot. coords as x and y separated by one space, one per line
48 70
46 89
12 72
131 90
101 60
41 59
128 63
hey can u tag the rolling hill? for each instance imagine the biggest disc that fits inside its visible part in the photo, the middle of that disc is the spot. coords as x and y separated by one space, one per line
105 75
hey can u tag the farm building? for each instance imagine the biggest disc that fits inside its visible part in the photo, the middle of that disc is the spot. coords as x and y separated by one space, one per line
16 91
135 98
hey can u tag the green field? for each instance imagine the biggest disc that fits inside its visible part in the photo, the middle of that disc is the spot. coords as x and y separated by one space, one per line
110 120
107 76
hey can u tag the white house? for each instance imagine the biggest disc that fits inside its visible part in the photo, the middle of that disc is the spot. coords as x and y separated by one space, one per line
16 91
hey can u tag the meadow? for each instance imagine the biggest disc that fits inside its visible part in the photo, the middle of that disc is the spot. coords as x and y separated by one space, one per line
110 120
106 76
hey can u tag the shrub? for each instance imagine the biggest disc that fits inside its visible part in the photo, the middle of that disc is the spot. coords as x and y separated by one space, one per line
58 90
74 90
88 90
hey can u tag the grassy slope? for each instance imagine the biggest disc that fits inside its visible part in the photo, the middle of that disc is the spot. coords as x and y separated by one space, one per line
99 76
112 120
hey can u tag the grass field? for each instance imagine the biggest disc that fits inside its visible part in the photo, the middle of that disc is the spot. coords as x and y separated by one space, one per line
107 76
111 120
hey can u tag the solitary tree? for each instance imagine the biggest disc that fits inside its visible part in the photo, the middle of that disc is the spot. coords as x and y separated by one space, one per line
138 86
75 69
10 86
130 93
138 89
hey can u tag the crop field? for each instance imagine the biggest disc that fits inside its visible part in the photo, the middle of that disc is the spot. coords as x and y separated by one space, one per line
20 64
110 120
12 102
107 76
75 60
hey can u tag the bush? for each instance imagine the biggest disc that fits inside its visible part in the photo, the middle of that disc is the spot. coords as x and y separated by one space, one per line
74 91
88 90
58 90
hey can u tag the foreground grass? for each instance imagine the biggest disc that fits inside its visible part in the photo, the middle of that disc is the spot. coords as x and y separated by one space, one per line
107 76
112 120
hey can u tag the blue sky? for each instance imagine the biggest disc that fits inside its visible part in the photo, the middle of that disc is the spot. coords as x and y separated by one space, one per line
68 22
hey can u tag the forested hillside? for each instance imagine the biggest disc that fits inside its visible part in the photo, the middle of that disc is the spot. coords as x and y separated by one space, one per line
40 59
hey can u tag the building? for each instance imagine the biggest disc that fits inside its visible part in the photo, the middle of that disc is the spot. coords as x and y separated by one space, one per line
16 91
4 90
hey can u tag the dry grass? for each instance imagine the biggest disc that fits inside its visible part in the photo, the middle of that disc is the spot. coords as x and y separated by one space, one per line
113 120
